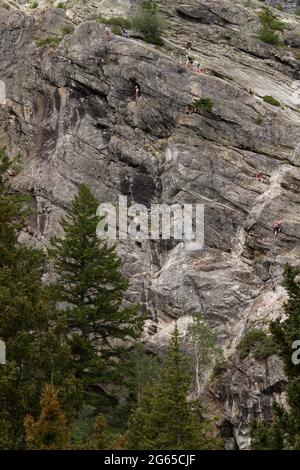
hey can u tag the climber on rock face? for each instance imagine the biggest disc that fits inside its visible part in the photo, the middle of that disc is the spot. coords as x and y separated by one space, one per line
189 62
189 46
137 91
262 177
199 68
125 33
277 226
188 110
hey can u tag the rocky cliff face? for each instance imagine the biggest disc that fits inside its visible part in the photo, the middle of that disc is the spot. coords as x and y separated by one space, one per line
71 114
288 5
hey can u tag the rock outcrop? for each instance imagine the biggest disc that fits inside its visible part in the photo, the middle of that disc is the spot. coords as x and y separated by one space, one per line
288 5
70 112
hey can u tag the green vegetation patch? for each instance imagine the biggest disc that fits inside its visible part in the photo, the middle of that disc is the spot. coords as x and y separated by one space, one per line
148 22
69 29
52 40
269 25
271 100
116 21
258 343
203 105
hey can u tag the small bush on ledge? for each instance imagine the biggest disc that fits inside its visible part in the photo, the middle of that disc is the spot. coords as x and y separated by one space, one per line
257 342
271 100
269 36
49 40
68 29
269 26
148 22
203 105
116 21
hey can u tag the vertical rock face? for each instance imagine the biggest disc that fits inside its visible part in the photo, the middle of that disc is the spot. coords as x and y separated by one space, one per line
70 111
78 10
247 391
289 5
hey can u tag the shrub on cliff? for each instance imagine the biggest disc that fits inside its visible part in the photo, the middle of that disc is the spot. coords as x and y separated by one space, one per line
271 100
204 105
269 27
257 342
148 22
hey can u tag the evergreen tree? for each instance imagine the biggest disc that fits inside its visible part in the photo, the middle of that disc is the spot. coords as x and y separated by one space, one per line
91 285
266 436
284 431
82 425
143 367
165 420
12 209
286 332
92 432
29 325
269 27
50 430
101 438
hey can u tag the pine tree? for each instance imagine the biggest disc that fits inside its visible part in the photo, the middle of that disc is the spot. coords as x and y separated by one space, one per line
90 432
29 325
165 420
286 332
13 209
284 432
50 430
91 284
143 367
82 425
101 438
